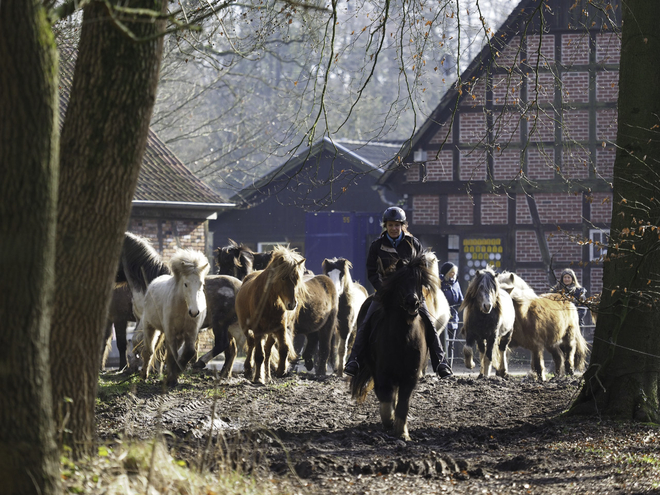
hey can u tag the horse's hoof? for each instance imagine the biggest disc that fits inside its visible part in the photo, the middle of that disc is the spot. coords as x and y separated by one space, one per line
199 365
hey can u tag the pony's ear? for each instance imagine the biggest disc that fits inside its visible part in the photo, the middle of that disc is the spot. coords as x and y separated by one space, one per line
232 243
302 261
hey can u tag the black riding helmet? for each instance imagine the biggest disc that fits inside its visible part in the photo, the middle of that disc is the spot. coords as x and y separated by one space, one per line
394 214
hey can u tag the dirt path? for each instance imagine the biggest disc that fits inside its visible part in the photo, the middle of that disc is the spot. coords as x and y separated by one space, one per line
468 435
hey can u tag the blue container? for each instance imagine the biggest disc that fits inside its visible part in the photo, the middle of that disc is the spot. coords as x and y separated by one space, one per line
338 234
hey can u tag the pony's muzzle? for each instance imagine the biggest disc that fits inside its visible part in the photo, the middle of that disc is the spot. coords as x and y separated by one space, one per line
486 308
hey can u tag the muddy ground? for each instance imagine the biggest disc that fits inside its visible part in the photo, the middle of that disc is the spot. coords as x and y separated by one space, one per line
468 435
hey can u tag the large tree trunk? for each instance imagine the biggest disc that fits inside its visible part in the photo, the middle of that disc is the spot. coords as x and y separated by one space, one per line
622 380
29 460
103 141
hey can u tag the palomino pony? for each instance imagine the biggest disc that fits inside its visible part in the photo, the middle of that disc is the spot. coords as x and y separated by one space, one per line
175 305
548 323
265 306
351 297
488 321
397 352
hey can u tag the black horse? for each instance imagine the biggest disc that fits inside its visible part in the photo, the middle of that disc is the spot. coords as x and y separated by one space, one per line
235 260
397 348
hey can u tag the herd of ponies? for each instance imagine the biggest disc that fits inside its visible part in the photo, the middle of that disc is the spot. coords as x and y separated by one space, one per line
272 306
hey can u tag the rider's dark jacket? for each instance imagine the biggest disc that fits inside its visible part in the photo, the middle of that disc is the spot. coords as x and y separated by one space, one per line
383 255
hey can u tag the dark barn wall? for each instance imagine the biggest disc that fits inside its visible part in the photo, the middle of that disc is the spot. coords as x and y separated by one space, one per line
278 211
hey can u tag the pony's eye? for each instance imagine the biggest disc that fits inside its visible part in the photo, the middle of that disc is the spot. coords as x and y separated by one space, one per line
185 285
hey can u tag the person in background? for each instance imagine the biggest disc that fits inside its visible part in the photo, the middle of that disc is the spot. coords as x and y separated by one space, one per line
569 286
394 244
452 291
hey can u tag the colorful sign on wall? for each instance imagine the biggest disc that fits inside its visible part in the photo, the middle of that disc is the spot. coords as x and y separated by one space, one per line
477 253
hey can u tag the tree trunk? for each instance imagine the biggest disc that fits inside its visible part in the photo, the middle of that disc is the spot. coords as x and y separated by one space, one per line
622 380
103 141
29 460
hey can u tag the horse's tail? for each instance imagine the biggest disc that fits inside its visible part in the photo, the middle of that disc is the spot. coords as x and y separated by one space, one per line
361 384
581 350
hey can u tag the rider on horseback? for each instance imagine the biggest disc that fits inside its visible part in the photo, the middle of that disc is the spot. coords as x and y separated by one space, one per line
394 244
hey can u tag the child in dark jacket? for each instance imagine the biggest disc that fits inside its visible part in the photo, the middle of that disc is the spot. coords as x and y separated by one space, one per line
454 295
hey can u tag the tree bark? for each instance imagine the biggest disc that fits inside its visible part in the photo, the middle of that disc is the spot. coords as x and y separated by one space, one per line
622 379
103 141
29 460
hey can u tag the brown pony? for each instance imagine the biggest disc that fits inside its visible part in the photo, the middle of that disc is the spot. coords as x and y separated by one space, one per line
548 323
265 306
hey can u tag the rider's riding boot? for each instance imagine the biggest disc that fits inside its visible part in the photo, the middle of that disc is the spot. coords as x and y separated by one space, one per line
438 361
360 344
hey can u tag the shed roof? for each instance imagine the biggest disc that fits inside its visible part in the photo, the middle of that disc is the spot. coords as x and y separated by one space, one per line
365 157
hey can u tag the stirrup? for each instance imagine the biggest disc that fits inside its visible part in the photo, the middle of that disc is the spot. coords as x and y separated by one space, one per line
352 368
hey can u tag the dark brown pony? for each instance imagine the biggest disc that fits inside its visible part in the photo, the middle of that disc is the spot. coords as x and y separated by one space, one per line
220 293
265 306
316 318
488 320
351 297
397 350
549 323
119 314
235 260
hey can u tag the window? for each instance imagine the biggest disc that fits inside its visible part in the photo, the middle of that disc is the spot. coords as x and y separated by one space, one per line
598 245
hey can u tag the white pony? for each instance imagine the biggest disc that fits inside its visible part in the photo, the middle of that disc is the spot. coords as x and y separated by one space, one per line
351 297
175 305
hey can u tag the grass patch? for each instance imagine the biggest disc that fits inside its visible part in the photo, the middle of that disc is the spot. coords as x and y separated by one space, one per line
147 467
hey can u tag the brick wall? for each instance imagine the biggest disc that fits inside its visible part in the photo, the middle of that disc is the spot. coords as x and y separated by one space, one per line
608 48
444 135
460 210
527 246
563 246
510 54
601 207
605 161
440 168
606 125
559 207
541 125
575 87
473 127
541 163
575 49
413 174
541 88
426 209
543 45
175 233
473 164
506 127
494 209
506 164
576 125
476 95
607 86
575 162
536 278
506 88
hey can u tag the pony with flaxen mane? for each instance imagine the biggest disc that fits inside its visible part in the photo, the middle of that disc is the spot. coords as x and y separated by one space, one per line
488 321
265 306
351 297
175 305
548 323
397 350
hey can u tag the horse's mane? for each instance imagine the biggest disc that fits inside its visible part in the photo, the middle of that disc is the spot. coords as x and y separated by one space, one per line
189 262
485 277
420 267
140 262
